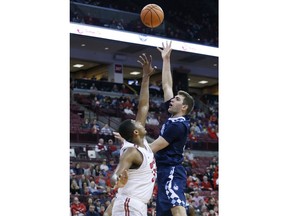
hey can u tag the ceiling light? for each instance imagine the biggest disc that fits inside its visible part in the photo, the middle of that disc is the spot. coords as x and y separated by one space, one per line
134 73
78 65
83 45
106 48
203 82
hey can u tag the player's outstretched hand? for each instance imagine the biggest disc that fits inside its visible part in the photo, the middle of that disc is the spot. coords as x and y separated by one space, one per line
165 50
118 137
146 65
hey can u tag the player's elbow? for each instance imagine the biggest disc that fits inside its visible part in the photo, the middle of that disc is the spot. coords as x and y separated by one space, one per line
159 144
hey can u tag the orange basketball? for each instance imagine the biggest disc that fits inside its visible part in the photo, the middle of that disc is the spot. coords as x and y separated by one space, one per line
152 15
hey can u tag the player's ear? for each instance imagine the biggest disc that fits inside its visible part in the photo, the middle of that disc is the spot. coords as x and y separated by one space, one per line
135 132
184 107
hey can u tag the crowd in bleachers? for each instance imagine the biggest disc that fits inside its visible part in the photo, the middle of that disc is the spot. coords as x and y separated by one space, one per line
204 124
193 21
90 187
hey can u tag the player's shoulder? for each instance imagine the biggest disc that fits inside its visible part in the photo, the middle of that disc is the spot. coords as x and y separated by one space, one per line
129 145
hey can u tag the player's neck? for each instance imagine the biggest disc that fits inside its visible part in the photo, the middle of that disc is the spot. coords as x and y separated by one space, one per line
176 115
140 142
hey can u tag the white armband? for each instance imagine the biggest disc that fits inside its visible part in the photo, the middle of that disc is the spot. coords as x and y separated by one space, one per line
114 177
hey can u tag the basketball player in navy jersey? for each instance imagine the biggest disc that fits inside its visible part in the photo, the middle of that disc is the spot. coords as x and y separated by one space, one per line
169 146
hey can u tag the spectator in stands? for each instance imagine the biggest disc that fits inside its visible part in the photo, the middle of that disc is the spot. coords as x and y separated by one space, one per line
195 128
84 179
195 178
124 89
95 127
151 119
193 114
192 137
200 125
187 165
102 209
213 119
189 154
101 181
110 193
212 133
111 147
89 202
91 211
104 167
78 170
115 88
190 211
107 203
154 86
86 190
189 180
211 203
94 189
190 188
209 173
97 169
95 103
126 102
93 87
89 171
197 201
106 133
204 211
214 162
97 204
77 208
74 188
204 130
106 102
86 124
205 184
215 179
114 103
201 114
100 148
72 176
129 111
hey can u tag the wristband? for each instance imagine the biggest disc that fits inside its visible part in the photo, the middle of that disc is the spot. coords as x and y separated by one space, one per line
115 177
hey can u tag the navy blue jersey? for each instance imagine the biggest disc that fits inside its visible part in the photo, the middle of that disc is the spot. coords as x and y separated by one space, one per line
175 131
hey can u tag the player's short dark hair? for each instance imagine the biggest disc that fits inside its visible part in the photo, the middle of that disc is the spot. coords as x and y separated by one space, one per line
126 129
188 100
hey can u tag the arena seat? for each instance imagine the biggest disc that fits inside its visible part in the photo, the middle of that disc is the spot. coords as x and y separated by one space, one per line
72 153
91 154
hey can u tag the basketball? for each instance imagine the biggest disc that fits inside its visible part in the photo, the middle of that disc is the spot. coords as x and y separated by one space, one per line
152 15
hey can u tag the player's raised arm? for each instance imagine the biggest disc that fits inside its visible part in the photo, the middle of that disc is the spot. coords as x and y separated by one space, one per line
143 105
167 82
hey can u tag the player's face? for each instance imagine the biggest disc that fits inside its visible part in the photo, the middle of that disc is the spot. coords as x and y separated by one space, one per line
140 128
176 104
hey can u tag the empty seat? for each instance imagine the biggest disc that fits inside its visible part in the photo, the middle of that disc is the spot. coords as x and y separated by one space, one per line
72 153
91 154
